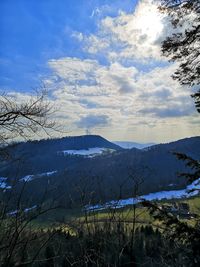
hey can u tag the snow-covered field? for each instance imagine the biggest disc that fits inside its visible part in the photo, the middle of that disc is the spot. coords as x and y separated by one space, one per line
31 177
3 183
90 152
191 190
14 212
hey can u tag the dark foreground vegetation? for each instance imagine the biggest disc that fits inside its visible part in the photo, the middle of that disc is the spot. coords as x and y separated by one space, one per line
106 244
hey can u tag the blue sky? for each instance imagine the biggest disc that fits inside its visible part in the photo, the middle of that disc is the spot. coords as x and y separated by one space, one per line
101 63
32 32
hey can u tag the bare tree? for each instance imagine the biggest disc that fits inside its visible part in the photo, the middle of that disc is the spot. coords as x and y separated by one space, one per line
19 119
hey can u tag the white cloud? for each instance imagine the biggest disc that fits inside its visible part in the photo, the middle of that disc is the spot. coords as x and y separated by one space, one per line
115 95
118 96
93 120
73 69
134 35
126 100
88 77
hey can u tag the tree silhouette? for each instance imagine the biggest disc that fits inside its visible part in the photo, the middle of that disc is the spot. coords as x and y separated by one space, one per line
23 119
183 46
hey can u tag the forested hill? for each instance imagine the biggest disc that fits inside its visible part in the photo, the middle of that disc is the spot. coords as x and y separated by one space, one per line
96 165
67 143
156 168
35 157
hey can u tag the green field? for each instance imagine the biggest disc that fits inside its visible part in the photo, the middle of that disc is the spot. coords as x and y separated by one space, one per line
140 215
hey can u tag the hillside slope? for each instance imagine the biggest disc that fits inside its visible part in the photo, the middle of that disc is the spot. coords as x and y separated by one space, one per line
109 175
54 154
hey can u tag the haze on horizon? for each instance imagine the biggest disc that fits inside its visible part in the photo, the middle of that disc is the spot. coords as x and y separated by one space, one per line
102 65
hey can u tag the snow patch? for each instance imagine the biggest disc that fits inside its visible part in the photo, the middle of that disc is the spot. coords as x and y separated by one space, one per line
90 152
31 177
27 178
14 212
189 191
31 208
3 183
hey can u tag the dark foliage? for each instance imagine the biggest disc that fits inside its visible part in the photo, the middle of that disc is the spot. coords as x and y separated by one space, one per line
196 97
186 236
107 245
174 228
184 45
191 163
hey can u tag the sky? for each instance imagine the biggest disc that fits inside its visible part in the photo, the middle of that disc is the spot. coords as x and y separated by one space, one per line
101 63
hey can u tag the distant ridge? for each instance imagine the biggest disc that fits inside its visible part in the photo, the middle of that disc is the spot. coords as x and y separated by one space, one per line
129 144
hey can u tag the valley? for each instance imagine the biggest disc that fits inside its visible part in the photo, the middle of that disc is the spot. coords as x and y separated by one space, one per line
68 167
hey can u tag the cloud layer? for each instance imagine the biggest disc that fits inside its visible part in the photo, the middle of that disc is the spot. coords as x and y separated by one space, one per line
106 98
121 86
128 36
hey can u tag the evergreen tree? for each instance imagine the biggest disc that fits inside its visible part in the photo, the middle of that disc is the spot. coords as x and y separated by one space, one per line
183 46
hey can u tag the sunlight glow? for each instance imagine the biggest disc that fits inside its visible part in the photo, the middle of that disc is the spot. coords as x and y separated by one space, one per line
148 21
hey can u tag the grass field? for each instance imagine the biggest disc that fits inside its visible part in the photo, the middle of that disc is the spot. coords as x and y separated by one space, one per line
69 217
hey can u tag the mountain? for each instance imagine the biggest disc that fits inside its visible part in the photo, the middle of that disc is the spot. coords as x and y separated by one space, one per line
94 168
36 157
68 143
129 145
